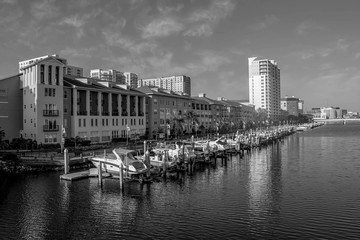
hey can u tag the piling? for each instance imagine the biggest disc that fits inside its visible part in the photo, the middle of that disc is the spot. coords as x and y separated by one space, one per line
164 164
66 161
100 173
121 174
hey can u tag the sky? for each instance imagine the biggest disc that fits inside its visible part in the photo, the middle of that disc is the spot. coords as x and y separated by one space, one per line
315 43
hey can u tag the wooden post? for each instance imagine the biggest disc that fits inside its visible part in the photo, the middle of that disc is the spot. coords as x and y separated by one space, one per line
164 164
121 175
100 173
66 161
147 162
145 147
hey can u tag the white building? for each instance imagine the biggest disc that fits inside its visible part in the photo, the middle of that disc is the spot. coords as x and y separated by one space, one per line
109 75
42 88
180 84
264 85
131 79
68 70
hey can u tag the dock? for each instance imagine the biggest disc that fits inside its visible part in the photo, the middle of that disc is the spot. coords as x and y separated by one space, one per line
92 172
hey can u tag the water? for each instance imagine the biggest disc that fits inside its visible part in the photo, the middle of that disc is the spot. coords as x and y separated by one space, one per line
306 187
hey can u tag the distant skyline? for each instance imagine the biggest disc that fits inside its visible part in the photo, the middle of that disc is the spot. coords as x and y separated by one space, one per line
315 43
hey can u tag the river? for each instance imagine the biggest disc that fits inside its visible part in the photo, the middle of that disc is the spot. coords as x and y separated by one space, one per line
305 187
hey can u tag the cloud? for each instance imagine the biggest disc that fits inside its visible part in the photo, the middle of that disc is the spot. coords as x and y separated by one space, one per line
305 27
162 27
165 9
44 9
268 21
12 2
201 22
78 52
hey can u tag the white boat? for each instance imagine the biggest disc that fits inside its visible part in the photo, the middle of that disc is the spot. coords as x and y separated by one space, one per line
302 128
111 162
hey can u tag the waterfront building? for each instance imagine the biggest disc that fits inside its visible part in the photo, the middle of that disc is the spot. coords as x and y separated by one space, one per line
232 114
164 109
11 111
101 110
178 83
109 75
202 111
131 79
218 109
264 86
291 105
68 70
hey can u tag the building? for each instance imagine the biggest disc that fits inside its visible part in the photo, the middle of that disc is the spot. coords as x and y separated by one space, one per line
101 110
166 110
68 70
42 87
11 106
202 112
301 106
131 79
264 86
179 84
56 105
291 105
109 75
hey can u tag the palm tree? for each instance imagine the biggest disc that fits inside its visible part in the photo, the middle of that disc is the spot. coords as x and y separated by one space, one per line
191 118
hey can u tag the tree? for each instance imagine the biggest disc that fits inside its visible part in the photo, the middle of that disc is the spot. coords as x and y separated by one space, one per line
2 135
191 119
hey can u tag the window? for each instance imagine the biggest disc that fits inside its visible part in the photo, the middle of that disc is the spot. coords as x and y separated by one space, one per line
95 122
79 122
57 75
46 92
42 73
84 122
53 90
65 94
24 106
49 75
92 122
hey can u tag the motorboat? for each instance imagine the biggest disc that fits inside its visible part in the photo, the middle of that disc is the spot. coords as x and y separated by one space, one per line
119 156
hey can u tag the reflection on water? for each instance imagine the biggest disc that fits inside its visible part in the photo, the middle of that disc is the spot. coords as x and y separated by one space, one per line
305 186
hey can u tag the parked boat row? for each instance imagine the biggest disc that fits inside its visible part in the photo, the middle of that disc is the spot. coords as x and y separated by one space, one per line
170 156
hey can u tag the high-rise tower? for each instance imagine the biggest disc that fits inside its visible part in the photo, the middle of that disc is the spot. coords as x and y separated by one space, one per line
264 86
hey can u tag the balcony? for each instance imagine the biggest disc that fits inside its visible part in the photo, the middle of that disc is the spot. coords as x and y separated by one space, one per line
133 113
105 113
94 113
48 128
141 114
124 113
51 112
82 113
115 113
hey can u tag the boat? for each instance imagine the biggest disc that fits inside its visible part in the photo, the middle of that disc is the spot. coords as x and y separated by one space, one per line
132 167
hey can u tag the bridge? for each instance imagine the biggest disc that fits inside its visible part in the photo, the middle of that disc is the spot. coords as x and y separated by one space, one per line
338 120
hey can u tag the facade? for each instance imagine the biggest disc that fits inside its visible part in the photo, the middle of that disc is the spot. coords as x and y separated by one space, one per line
131 79
109 75
163 109
291 105
101 111
11 106
202 112
42 88
264 86
69 70
179 84
301 106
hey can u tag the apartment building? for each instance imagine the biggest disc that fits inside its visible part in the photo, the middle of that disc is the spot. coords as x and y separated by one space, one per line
131 79
109 75
164 109
179 84
202 111
291 105
101 110
264 86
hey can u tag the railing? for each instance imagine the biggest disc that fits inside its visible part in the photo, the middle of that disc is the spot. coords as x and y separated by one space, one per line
48 128
51 112
115 113
124 113
105 113
141 113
